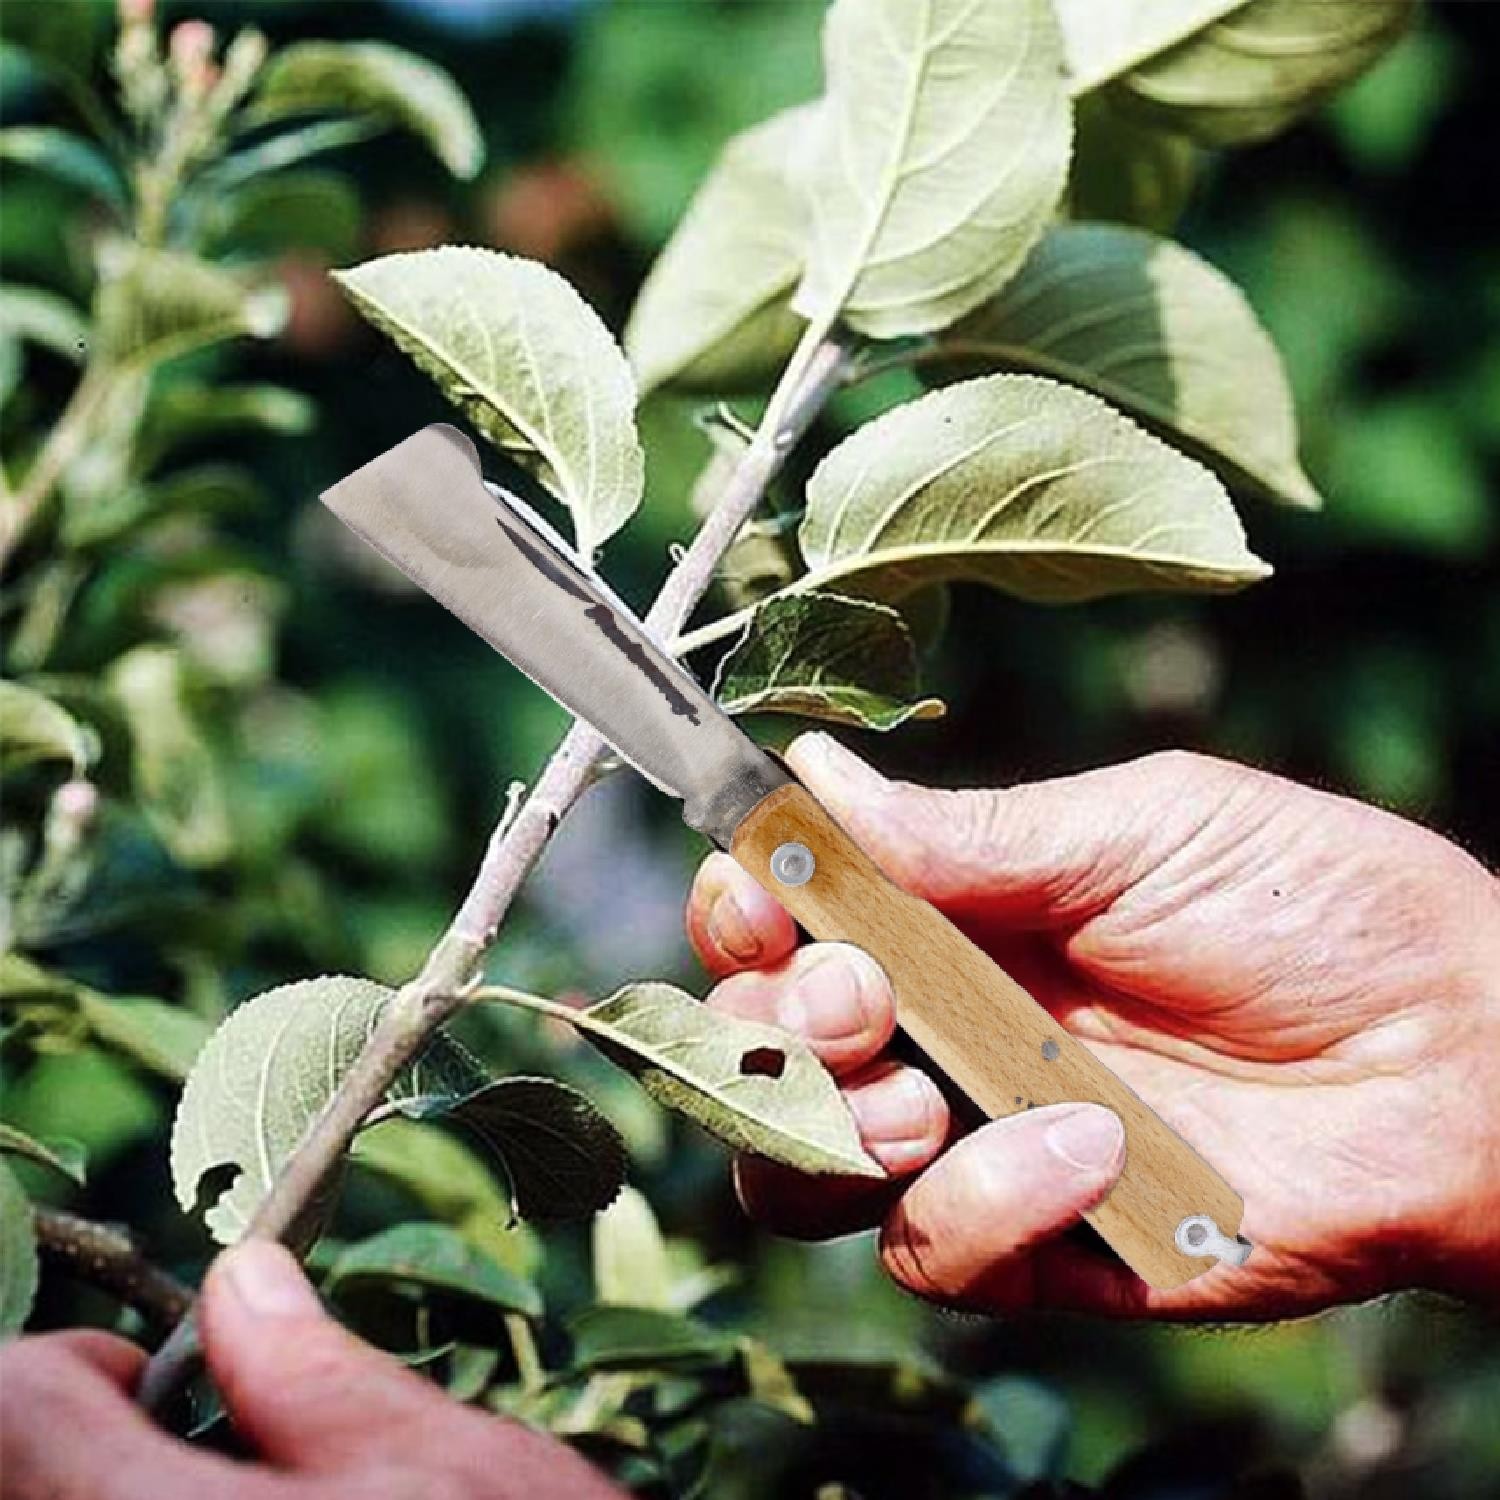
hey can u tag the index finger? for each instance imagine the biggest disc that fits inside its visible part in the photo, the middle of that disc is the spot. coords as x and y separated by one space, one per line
733 923
69 1428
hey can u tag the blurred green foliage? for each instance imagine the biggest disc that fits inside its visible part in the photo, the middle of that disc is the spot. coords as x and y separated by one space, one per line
360 742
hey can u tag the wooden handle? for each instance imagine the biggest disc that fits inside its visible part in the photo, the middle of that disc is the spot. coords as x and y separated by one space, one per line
991 1038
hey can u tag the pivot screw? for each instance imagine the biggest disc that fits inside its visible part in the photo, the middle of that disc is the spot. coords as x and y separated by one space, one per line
793 864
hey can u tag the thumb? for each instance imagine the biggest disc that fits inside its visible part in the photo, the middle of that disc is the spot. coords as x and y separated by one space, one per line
1048 851
962 1232
302 1390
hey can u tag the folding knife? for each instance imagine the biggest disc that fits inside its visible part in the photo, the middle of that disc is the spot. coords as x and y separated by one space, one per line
426 507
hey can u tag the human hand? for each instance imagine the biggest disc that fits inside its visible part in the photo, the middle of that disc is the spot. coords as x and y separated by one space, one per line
329 1417
1306 988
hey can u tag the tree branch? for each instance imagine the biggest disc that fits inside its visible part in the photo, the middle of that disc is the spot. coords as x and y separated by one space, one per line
452 969
108 1257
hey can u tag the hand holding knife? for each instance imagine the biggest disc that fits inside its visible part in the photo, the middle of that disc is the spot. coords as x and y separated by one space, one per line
424 506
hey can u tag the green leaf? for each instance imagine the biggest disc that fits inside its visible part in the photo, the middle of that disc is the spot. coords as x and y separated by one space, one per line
287 149
1032 1423
631 1265
260 1081
452 1184
18 1259
188 413
1126 169
163 1038
1227 71
92 518
560 1156
384 804
153 305
433 1258
527 361
754 1087
629 1338
63 38
27 313
846 661
1388 117
940 153
175 775
34 728
309 210
1405 473
30 315
1155 330
1024 485
62 1156
265 1074
65 157
373 78
713 314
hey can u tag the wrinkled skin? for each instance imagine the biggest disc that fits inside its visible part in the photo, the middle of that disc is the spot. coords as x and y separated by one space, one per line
1306 988
330 1417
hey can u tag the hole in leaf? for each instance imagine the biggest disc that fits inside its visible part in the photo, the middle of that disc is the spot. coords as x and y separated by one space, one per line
763 1062
212 1186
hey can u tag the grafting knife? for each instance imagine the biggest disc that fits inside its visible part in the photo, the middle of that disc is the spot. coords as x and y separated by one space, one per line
424 505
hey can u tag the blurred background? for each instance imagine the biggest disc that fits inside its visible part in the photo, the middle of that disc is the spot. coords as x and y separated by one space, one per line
365 739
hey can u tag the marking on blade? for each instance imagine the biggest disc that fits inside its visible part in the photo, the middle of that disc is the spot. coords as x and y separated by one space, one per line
604 617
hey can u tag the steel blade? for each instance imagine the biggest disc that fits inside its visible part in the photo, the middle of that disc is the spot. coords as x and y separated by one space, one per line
424 506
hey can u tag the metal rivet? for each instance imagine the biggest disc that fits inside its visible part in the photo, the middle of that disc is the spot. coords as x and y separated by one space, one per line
793 864
1050 1050
1199 1235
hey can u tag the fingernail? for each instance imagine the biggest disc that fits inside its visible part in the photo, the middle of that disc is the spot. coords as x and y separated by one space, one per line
894 1108
732 931
1088 1138
830 1000
267 1280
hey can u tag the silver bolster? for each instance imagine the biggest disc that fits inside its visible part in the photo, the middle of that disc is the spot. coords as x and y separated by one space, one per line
716 815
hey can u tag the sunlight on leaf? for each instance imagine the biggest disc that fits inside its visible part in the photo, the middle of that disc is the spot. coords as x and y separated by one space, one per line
1227 71
713 315
374 78
527 361
939 154
692 1060
1022 484
631 1265
1153 329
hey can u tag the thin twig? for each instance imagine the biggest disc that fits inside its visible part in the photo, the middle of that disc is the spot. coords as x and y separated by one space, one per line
108 1257
452 969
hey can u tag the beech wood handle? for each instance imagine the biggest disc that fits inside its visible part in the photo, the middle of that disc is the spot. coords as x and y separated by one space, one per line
990 1037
